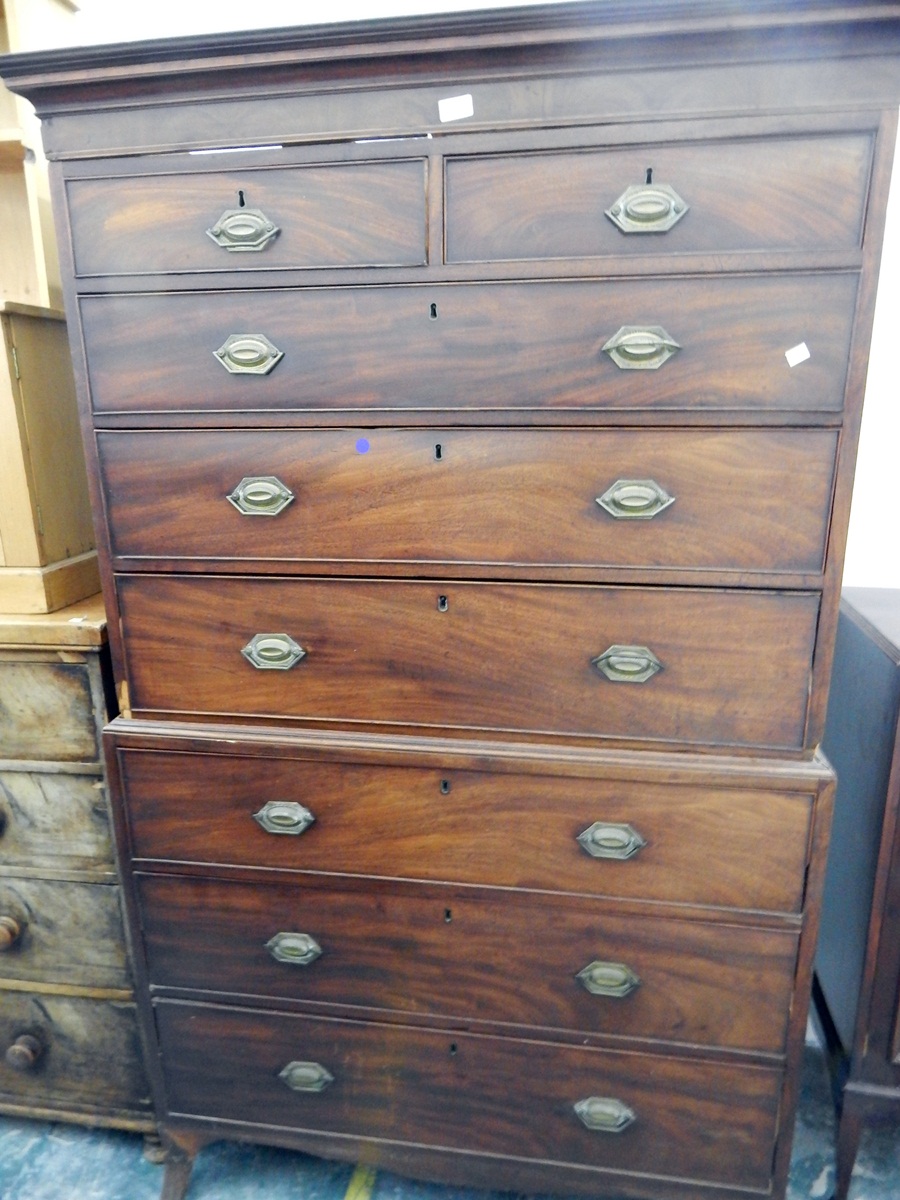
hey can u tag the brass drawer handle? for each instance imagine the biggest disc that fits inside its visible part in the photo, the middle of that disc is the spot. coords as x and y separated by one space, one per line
10 932
24 1053
605 840
297 949
647 208
627 664
243 229
615 980
284 816
261 496
306 1076
248 354
635 499
641 347
273 652
604 1114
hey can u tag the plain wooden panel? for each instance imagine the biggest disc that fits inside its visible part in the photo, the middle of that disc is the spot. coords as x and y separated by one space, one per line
53 821
71 933
736 667
695 1120
470 827
91 1060
744 500
490 346
507 959
754 194
47 711
329 215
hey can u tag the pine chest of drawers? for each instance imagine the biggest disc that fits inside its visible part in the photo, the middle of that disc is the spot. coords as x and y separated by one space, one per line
473 444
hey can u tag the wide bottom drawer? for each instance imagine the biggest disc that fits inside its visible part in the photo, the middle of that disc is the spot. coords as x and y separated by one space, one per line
542 962
534 1101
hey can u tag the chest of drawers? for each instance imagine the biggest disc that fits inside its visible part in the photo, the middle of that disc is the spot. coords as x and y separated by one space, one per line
472 444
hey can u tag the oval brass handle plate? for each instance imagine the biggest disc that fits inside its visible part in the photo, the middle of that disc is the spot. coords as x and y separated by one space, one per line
615 980
610 840
248 354
296 949
641 347
306 1076
604 1114
243 229
261 496
284 816
647 208
627 664
635 499
273 652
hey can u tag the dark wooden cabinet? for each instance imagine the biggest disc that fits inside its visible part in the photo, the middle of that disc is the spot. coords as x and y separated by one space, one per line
858 960
472 444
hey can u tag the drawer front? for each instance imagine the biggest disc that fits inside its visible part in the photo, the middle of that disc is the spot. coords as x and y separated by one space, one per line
86 1058
733 668
733 500
47 712
366 214
519 960
472 827
785 193
693 1120
62 932
528 346
53 821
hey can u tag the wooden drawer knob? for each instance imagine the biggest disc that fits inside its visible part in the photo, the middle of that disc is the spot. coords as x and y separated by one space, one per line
24 1053
10 932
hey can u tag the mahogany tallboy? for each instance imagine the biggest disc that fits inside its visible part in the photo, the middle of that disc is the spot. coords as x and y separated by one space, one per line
471 404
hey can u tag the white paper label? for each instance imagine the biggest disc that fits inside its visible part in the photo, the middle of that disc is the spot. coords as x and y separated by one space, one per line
456 108
797 354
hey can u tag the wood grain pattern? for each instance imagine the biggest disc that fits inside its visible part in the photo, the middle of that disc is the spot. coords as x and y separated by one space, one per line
787 193
487 827
90 1062
695 1120
384 653
744 500
490 346
71 933
47 711
364 214
507 960
52 820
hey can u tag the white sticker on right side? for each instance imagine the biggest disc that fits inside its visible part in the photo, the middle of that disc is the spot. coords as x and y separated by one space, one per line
797 354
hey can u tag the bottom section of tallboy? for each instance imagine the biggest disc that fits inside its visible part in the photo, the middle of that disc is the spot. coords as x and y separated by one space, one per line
535 969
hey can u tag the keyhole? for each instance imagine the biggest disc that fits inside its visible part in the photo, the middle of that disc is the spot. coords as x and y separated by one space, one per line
649 178
433 312
438 451
445 787
443 603
453 1048
240 200
448 915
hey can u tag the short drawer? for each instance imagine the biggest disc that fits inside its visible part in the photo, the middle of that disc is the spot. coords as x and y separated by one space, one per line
72 1055
648 839
725 500
693 1120
62 932
52 820
698 344
48 710
753 194
359 214
517 960
682 666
